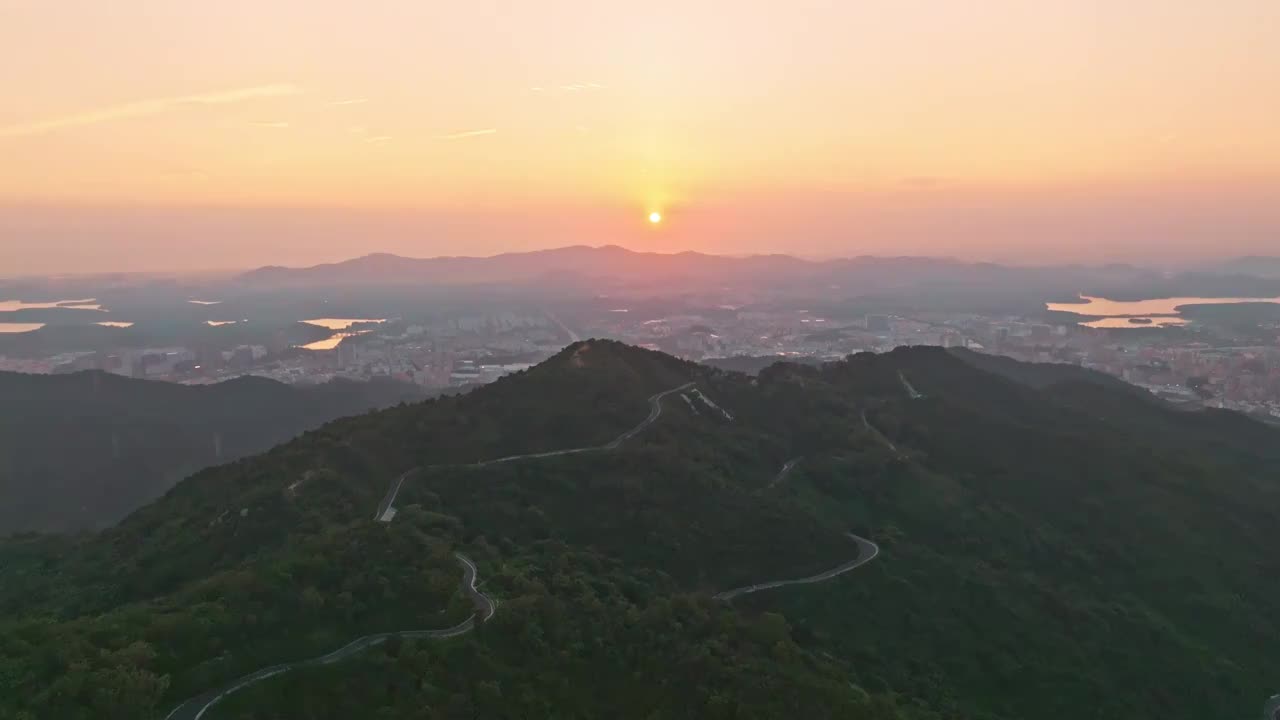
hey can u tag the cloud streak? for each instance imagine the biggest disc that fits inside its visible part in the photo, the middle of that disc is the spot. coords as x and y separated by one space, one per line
351 101
467 134
144 108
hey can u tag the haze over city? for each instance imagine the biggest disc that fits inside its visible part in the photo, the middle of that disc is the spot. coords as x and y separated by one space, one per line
188 136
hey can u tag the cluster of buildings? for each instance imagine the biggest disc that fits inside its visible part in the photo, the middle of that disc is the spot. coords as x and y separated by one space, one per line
451 352
469 349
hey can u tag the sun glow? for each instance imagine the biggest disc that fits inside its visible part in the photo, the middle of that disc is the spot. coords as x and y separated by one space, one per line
655 217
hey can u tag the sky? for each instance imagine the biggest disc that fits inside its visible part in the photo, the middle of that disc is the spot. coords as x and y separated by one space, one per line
160 135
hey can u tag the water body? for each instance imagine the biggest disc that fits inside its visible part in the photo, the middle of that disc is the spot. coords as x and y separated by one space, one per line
19 327
341 323
340 326
86 304
1158 306
1127 322
1157 312
330 342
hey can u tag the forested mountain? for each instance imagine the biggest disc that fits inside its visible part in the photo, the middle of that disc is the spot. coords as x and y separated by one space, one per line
1047 548
83 450
753 364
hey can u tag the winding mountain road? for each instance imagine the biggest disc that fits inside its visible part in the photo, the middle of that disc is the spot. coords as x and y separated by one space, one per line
655 411
783 473
911 390
486 607
875 432
196 707
867 551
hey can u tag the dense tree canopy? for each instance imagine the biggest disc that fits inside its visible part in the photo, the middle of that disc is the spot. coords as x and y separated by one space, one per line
1051 547
81 451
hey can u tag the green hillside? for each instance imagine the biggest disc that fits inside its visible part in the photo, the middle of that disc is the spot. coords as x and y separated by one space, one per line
1049 549
81 451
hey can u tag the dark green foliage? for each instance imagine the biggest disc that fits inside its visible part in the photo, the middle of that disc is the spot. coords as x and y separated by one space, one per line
1051 548
81 451
582 637
753 364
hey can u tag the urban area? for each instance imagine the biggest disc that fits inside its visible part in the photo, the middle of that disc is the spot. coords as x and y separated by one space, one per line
1186 363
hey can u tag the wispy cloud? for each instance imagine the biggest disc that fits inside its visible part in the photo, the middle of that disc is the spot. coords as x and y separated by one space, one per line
272 124
143 108
350 101
467 134
377 139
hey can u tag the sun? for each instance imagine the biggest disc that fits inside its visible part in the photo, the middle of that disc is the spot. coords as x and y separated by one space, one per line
655 217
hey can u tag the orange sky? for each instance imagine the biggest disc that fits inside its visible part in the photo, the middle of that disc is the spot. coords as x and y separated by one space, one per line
152 134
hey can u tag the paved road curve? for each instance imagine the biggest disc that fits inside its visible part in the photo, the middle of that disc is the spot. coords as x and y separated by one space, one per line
655 411
196 707
867 551
389 498
879 435
782 474
911 390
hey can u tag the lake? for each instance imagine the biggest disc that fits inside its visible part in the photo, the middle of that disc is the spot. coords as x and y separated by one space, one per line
86 304
330 342
19 327
1123 322
1158 306
1162 312
339 326
341 323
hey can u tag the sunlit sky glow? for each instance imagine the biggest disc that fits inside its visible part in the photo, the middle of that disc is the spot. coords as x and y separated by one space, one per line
150 134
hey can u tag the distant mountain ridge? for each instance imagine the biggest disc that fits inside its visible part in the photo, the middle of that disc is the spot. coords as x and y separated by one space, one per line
614 266
512 267
597 259
1258 265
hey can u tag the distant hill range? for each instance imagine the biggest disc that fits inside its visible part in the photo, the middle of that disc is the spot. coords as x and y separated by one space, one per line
1259 265
81 451
611 266
614 262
